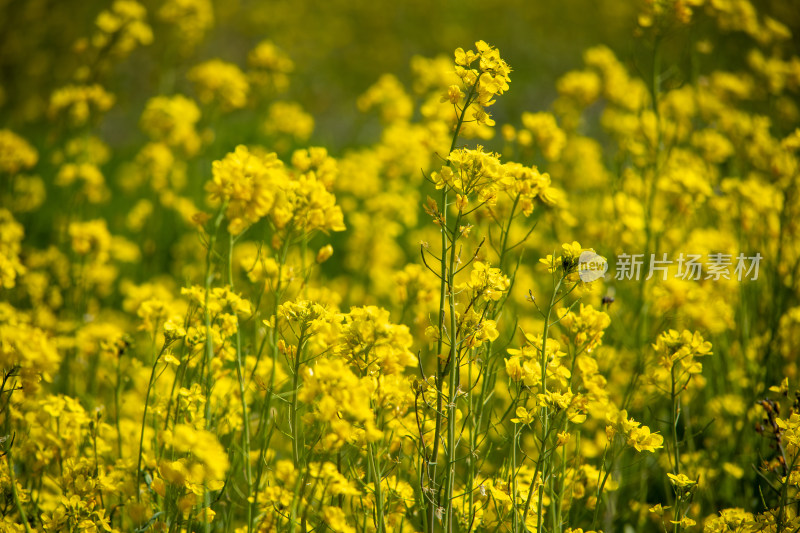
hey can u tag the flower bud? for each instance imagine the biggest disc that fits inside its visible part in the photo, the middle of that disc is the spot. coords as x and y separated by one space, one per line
324 253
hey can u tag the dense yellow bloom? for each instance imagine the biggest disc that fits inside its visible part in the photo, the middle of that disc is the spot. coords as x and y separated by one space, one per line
680 349
92 182
158 165
77 103
83 149
307 205
372 343
340 399
26 347
473 172
11 235
454 94
487 283
527 184
16 153
316 159
192 19
586 328
735 519
389 97
309 316
525 363
207 454
247 184
172 120
476 329
432 75
618 87
666 11
290 119
220 82
490 78
28 192
335 519
91 237
218 299
269 66
545 131
715 147
253 186
582 86
122 28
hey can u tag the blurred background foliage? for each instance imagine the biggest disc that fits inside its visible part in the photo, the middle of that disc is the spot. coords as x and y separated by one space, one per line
339 48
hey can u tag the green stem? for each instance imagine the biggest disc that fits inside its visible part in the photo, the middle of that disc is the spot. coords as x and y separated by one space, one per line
453 370
209 345
118 417
507 231
375 473
650 191
13 480
442 299
144 421
243 394
515 441
295 408
601 485
278 292
544 458
674 418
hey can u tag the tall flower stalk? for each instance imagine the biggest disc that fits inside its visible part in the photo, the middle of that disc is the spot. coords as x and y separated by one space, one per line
483 75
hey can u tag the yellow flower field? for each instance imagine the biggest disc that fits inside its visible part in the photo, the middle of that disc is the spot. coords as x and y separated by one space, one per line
366 267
